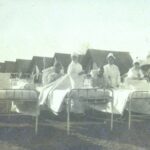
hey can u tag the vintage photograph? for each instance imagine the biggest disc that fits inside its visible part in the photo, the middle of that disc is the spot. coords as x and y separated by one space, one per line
74 75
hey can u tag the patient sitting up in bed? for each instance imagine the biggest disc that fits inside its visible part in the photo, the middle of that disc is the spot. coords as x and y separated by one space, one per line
145 66
135 73
98 78
135 78
52 74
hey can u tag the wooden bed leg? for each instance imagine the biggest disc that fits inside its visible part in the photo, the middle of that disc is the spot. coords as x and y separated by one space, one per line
36 124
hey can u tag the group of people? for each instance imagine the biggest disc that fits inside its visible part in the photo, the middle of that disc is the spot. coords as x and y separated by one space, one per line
107 76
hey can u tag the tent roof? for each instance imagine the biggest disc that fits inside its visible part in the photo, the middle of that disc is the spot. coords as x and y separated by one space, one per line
10 66
123 59
40 62
2 67
62 58
23 65
81 59
48 61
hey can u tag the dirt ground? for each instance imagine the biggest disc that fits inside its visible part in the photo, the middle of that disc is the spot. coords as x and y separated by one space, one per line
87 133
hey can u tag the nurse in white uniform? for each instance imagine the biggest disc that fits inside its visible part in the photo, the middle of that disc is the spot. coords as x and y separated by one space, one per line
76 78
75 72
111 72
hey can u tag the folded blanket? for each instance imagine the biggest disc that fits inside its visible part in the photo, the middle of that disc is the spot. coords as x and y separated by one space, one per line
61 83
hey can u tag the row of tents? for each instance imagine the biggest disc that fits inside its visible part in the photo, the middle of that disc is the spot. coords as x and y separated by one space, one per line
89 60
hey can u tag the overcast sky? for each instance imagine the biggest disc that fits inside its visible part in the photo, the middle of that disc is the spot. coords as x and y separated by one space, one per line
42 27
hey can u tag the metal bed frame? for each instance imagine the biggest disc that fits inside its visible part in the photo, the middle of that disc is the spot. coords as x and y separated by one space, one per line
10 100
89 99
131 98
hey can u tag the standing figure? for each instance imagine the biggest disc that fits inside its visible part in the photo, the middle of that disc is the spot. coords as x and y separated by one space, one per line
76 78
75 72
111 72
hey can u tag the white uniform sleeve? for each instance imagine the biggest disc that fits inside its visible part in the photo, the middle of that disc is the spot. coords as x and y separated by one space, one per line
70 69
118 76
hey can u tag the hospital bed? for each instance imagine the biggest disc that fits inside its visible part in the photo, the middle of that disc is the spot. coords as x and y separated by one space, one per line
27 100
138 105
90 97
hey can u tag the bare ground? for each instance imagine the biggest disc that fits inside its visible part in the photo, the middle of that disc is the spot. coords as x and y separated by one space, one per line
17 133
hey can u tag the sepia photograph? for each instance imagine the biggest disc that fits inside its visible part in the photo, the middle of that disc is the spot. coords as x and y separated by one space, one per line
74 75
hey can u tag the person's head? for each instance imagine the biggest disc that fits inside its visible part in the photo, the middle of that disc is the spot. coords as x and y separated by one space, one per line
57 67
110 58
74 57
136 65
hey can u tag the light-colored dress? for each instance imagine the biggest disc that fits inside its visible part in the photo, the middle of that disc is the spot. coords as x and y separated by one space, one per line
76 82
112 74
73 71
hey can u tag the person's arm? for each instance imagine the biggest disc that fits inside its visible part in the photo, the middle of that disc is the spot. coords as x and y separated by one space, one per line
82 72
70 70
74 71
